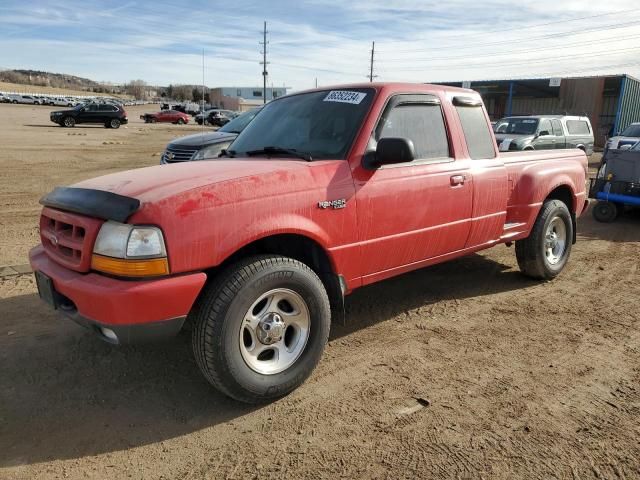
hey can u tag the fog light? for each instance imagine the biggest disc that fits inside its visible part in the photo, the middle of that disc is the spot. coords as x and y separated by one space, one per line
109 334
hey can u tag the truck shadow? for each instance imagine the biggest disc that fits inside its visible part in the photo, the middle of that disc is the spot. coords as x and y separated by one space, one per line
65 394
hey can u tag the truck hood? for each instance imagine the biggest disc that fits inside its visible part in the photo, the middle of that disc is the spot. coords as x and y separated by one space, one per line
202 139
152 184
618 141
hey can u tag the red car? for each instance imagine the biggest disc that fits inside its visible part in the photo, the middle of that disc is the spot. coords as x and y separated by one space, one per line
325 191
171 116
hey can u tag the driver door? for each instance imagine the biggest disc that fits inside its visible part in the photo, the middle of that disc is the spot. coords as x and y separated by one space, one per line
413 211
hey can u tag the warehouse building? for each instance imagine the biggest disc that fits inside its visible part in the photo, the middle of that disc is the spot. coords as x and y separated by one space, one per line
611 102
243 98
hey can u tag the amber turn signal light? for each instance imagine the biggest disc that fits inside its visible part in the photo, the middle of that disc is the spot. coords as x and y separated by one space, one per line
130 268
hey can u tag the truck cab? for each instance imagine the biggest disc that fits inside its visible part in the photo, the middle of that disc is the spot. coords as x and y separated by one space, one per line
324 191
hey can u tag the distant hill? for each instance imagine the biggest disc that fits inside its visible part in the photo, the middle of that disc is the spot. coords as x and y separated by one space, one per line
56 80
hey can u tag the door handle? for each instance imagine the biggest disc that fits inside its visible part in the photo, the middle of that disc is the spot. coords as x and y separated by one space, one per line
457 180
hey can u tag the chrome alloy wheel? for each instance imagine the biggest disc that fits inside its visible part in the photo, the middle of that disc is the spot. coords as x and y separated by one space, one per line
555 241
274 331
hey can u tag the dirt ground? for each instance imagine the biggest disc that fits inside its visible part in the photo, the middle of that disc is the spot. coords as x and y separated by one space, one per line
463 370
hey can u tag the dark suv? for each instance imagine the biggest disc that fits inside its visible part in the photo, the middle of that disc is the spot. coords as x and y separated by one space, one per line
107 114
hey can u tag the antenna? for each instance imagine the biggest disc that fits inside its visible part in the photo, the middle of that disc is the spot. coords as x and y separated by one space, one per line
373 51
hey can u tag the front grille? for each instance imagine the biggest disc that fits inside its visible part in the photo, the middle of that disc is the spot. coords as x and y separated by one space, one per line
178 153
68 238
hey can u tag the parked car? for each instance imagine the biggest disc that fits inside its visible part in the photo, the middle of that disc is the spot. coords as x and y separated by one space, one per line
4 98
171 116
203 146
544 132
325 191
165 106
219 118
629 136
109 115
25 99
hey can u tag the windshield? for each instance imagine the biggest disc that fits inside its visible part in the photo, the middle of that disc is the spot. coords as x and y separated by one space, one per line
517 126
239 123
320 124
631 131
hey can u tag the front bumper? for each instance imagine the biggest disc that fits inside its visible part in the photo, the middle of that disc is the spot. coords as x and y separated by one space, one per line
135 310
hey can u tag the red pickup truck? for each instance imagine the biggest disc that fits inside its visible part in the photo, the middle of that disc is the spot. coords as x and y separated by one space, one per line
324 192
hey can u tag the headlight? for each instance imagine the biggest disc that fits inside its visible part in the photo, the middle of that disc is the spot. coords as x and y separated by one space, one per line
129 250
211 151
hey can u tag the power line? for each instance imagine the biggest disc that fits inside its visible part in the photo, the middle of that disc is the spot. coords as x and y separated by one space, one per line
509 52
513 64
525 39
526 27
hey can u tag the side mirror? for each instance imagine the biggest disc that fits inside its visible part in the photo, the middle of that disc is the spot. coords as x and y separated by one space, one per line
394 150
544 133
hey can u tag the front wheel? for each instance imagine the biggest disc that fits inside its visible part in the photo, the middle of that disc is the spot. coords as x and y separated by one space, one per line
180 121
544 253
69 122
261 327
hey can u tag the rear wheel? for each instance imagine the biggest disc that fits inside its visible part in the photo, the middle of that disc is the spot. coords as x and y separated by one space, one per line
605 212
69 122
544 253
261 327
114 123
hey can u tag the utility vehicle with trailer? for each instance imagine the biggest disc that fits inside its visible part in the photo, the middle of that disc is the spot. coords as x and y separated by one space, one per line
324 192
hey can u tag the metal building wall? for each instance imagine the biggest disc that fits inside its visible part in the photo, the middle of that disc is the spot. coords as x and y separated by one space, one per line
629 104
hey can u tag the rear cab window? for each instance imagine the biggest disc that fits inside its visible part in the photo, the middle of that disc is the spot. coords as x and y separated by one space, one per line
475 126
578 127
420 119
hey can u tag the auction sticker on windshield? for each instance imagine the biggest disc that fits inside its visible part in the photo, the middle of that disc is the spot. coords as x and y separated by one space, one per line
344 96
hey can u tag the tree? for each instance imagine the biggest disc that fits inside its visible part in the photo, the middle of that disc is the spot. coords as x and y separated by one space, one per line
182 92
137 89
197 94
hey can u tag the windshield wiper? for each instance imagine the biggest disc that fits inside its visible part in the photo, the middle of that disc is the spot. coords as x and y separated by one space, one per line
280 150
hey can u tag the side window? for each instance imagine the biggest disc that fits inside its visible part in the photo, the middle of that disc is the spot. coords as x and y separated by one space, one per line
545 126
578 127
557 128
476 131
422 123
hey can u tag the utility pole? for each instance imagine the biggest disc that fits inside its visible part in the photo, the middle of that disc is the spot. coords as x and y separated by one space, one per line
373 51
264 63
202 104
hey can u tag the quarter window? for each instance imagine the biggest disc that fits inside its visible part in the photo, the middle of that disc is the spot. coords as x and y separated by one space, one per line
422 123
578 127
476 132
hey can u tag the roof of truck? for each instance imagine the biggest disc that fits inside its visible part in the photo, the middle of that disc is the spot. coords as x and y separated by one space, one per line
396 86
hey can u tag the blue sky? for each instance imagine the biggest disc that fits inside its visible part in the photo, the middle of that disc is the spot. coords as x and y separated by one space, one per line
162 42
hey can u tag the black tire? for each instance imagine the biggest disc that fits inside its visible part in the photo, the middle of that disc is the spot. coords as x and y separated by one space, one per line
15 102
69 122
114 123
531 252
218 319
605 212
180 121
